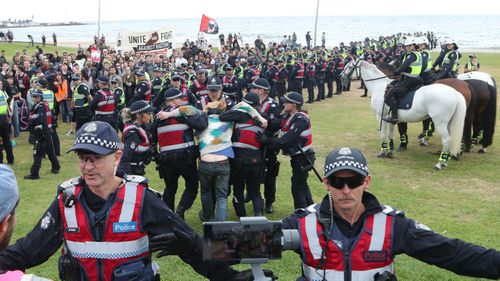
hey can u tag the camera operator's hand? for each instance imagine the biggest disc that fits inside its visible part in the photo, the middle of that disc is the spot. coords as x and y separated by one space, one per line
247 275
178 242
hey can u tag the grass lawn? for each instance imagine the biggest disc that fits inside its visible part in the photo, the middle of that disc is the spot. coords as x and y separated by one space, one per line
11 48
462 201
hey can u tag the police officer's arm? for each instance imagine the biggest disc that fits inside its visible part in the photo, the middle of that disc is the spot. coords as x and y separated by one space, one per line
273 119
130 143
199 122
234 116
418 241
291 136
439 59
406 63
38 245
157 218
42 118
447 67
140 90
93 103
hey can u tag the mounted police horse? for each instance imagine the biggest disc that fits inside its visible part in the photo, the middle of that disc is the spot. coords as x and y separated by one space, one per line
483 107
442 103
349 73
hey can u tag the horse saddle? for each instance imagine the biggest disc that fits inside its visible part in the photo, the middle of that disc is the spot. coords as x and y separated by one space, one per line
406 101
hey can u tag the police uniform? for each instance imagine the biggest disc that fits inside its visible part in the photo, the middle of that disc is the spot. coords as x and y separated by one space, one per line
246 166
296 135
229 85
271 75
319 77
108 239
5 126
48 97
156 84
198 88
136 144
309 80
335 249
81 112
176 154
297 75
103 104
142 89
41 125
120 104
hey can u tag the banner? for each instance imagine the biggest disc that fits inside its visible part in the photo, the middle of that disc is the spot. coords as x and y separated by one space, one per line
209 25
152 41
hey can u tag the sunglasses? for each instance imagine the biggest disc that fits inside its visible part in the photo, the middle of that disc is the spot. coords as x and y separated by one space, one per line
340 182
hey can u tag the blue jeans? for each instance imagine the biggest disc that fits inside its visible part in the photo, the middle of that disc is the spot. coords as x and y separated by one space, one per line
15 119
214 179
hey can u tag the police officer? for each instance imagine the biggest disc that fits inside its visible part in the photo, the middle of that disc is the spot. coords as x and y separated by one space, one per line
239 72
156 83
280 79
246 166
41 125
297 74
319 78
309 80
271 111
48 97
135 138
351 227
143 88
410 70
172 141
295 141
251 73
80 102
229 84
5 125
214 88
339 67
448 60
103 103
119 96
199 86
113 215
271 75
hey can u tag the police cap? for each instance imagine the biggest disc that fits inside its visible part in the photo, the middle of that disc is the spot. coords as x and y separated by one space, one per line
229 68
102 79
76 77
346 158
252 99
37 93
294 97
140 106
214 83
261 83
173 93
41 82
96 137
157 69
139 72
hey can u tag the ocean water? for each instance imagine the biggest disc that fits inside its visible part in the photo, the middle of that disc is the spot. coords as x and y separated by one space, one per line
470 32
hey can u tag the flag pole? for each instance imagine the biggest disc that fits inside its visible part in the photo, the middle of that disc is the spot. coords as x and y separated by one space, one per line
316 23
99 20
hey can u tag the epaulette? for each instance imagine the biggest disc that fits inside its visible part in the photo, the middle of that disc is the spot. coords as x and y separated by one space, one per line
155 192
137 179
68 184
388 210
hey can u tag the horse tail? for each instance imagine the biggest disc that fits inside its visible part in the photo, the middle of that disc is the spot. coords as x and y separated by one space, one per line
456 125
489 116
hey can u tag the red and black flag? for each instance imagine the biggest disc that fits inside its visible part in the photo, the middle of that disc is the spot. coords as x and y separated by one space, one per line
209 25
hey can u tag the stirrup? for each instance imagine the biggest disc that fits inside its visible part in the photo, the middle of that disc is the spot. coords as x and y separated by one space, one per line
390 120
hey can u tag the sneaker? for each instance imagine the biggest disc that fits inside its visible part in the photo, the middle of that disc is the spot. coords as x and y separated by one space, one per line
31 177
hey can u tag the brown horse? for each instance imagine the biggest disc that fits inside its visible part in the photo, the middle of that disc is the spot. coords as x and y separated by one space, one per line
459 85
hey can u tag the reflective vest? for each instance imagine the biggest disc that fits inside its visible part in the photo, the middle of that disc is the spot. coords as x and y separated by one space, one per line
147 94
239 73
429 61
329 259
446 60
80 100
62 92
122 95
144 145
174 136
246 135
416 66
255 74
106 106
48 96
311 70
3 103
201 89
123 241
307 133
228 81
301 72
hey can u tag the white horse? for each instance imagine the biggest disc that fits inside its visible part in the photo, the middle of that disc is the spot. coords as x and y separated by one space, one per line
443 104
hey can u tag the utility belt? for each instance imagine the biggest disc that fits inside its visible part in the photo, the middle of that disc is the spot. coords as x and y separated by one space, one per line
303 163
189 156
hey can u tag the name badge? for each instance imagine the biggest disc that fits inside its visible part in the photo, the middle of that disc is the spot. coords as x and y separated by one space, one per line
120 227
73 229
375 256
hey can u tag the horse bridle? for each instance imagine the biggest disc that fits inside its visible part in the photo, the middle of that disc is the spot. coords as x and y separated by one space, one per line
356 65
349 75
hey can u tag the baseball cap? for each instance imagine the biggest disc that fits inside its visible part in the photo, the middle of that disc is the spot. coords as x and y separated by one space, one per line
346 158
97 137
9 191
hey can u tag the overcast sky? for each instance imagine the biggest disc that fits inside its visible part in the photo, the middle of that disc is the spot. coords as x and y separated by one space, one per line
78 10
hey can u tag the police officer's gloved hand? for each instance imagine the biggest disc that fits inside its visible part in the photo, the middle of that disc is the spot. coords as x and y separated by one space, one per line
247 275
177 242
263 138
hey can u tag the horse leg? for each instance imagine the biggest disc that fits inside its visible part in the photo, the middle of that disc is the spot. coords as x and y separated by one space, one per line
403 136
383 137
390 154
442 128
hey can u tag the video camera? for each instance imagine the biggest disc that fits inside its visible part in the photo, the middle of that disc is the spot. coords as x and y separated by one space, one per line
252 240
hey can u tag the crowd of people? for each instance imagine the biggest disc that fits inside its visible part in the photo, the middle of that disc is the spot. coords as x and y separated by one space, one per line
219 120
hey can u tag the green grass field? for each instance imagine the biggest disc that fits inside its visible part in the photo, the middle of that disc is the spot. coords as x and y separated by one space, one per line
461 201
10 49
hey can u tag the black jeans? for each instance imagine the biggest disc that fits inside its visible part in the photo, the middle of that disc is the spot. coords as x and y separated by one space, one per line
300 189
4 134
246 172
43 145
